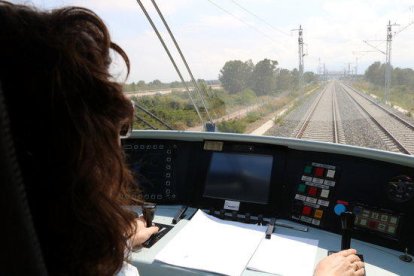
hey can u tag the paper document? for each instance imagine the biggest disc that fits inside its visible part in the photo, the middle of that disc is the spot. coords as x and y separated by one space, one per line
285 255
210 244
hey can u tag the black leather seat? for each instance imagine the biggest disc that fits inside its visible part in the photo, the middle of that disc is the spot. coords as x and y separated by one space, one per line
20 250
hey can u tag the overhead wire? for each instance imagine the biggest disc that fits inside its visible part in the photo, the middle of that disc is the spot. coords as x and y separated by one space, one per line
261 19
196 86
171 58
242 21
152 115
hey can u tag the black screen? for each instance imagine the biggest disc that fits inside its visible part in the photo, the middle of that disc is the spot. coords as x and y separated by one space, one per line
239 177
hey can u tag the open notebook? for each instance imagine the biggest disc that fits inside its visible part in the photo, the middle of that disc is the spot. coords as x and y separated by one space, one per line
226 247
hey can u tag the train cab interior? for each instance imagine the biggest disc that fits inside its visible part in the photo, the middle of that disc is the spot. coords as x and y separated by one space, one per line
312 194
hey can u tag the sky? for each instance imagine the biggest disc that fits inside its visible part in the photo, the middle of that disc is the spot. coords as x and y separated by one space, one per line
211 32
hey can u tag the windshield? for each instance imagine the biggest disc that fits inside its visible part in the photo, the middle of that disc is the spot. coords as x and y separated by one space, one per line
333 71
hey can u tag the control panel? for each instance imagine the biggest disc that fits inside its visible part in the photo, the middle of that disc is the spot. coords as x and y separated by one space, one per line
314 193
154 166
254 182
383 222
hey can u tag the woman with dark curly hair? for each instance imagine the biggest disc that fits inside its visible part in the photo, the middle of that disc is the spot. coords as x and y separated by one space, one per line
66 114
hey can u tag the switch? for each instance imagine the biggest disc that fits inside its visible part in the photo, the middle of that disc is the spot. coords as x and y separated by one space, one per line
312 191
319 172
148 211
308 169
347 223
301 188
306 211
325 193
330 173
318 214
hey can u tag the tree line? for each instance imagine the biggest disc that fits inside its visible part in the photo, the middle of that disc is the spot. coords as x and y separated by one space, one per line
157 84
263 77
375 74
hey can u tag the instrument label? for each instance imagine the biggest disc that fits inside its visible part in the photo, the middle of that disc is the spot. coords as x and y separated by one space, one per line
231 205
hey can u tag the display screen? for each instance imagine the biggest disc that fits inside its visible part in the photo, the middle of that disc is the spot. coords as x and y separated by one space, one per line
239 177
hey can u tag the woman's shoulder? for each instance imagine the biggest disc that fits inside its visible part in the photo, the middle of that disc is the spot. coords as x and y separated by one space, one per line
128 270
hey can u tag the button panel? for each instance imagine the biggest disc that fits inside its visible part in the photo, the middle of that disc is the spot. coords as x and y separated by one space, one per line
152 164
376 220
314 192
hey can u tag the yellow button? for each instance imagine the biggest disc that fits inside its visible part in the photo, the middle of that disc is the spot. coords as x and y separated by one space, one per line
318 213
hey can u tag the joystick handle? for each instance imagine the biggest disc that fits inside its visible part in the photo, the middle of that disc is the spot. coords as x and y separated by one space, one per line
347 223
148 211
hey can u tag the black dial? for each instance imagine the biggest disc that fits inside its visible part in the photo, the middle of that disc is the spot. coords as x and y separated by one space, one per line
400 188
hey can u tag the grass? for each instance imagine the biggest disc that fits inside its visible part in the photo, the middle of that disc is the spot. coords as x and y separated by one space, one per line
401 95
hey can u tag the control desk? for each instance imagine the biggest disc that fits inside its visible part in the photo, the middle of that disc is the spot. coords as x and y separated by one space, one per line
298 183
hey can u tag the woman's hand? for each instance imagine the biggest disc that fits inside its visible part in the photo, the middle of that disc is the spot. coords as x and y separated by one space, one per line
143 232
343 263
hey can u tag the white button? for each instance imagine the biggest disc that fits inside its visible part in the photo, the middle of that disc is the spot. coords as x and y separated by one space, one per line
316 222
323 202
374 215
317 180
384 218
363 222
330 183
300 197
325 193
306 219
306 178
391 229
381 227
393 220
330 173
311 199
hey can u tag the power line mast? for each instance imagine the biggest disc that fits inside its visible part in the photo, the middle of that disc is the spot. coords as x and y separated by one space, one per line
388 62
301 55
387 53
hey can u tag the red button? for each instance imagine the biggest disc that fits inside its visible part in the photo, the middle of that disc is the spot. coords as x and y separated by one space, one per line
312 191
319 172
373 224
306 210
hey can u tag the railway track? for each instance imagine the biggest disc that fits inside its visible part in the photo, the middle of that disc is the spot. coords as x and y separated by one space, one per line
322 121
395 131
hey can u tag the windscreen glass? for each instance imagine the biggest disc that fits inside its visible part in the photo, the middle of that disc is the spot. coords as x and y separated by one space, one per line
335 71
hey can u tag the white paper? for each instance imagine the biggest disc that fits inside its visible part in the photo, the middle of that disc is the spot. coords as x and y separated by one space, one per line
285 255
210 244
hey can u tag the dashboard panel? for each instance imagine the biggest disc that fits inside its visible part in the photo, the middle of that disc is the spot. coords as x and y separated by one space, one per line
240 180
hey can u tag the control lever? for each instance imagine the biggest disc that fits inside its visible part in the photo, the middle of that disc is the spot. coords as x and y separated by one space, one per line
179 215
148 211
260 220
347 223
270 228
247 218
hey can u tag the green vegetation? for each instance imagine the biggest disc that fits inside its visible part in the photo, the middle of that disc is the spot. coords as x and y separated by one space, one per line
232 126
264 78
158 85
241 125
402 85
245 85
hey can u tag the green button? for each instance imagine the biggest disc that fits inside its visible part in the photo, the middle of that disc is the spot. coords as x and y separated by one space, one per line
308 169
301 188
